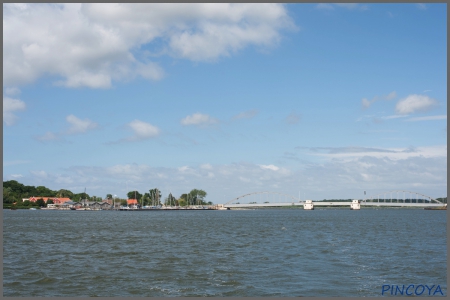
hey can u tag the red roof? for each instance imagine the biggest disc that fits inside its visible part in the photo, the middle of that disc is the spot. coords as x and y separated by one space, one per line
132 201
56 200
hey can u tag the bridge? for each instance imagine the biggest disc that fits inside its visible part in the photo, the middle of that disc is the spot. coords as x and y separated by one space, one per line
385 199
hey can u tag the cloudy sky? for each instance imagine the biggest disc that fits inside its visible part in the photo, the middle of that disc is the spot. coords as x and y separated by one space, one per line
318 100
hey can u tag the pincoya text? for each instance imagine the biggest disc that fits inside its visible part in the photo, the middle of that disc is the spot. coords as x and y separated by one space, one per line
409 290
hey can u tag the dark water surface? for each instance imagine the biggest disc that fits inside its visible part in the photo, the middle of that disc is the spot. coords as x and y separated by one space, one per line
272 252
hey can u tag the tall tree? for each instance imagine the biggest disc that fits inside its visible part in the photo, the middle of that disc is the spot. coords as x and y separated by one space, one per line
155 196
40 202
62 193
170 200
45 192
197 196
134 195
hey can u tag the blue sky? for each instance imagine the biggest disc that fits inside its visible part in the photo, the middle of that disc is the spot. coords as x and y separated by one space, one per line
325 100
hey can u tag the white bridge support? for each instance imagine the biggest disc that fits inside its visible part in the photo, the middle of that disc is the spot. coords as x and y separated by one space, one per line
355 205
308 205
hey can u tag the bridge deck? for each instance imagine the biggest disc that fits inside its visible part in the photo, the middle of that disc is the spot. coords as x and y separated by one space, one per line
326 203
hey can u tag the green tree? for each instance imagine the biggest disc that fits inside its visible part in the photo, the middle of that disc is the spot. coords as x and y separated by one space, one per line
134 195
145 199
8 195
50 201
14 185
80 196
155 196
96 199
45 192
109 196
197 197
170 200
62 193
40 202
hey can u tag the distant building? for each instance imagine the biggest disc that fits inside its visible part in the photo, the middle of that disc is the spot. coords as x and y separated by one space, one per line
132 202
109 201
92 205
55 200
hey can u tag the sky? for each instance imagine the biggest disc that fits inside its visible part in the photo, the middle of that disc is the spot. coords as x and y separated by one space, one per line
318 101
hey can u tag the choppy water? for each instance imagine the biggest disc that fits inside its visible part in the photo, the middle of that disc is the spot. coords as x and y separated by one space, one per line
325 252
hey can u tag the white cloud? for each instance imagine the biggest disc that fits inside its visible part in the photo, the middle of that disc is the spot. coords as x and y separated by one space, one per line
344 171
394 117
12 91
143 130
206 167
63 179
10 106
293 118
183 168
40 174
354 6
421 6
351 153
198 119
367 103
334 177
427 118
270 167
95 44
48 136
415 103
78 125
324 6
246 114
391 95
16 176
127 170
349 6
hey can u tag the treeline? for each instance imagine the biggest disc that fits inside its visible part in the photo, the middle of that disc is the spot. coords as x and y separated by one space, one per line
155 198
14 192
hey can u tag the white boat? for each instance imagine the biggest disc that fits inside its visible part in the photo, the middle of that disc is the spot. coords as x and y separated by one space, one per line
83 208
50 206
33 208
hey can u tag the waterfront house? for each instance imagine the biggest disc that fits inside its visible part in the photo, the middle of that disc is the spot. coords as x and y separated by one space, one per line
105 205
77 205
100 206
109 201
68 204
132 202
56 200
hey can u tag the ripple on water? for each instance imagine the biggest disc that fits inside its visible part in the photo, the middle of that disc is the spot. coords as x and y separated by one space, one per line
233 253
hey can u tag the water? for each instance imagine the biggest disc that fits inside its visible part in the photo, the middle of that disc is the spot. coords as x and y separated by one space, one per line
273 252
